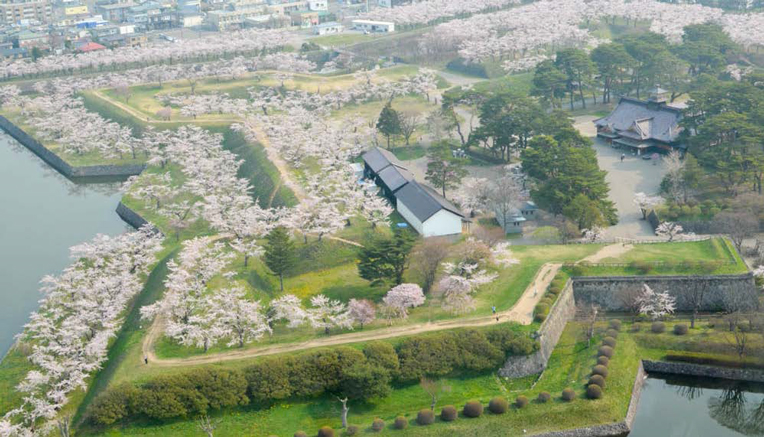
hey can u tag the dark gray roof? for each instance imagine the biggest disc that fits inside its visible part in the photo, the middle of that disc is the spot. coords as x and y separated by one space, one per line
377 159
395 177
423 201
642 120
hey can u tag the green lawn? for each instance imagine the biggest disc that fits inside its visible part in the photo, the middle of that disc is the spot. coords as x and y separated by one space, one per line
341 39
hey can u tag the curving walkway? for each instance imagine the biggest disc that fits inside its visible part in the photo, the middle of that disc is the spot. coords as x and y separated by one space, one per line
521 312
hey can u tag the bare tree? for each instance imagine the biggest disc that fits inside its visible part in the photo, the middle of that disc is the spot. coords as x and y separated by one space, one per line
739 339
206 425
345 410
409 122
503 198
438 126
434 389
64 425
123 91
589 314
629 299
738 225
427 258
674 165
696 298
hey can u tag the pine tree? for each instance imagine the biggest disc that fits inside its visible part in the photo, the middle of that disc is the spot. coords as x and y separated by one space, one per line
280 253
389 122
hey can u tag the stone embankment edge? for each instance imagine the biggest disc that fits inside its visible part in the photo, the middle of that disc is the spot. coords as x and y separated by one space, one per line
688 369
63 167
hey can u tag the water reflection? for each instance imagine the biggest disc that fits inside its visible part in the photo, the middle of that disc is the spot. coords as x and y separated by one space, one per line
699 407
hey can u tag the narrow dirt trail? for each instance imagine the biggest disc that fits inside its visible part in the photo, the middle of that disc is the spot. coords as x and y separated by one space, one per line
521 312
609 251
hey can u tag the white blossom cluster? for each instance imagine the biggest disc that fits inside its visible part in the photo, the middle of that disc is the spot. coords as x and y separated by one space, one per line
193 105
63 119
82 310
533 30
245 41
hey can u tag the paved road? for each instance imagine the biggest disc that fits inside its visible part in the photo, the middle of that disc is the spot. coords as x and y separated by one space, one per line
631 176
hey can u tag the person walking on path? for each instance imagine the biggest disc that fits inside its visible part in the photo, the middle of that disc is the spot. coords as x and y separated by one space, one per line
623 155
493 309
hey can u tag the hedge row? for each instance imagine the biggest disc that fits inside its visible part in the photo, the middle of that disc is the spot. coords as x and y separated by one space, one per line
541 311
357 374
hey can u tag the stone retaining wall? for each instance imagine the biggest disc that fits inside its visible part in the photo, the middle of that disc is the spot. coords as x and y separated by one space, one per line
63 167
690 369
612 293
132 218
562 311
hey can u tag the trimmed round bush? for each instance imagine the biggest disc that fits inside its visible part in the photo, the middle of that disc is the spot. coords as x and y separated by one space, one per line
606 351
300 434
593 391
611 333
498 405
521 402
400 423
448 413
568 394
680 329
353 430
636 327
544 397
609 341
658 327
540 317
326 431
597 380
603 361
378 424
425 417
473 409
615 324
599 370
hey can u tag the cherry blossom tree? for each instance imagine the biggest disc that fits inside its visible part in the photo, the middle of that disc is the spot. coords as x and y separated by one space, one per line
655 305
669 230
236 317
328 313
361 311
646 202
402 297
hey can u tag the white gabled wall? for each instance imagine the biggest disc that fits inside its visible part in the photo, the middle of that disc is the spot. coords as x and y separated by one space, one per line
409 216
443 222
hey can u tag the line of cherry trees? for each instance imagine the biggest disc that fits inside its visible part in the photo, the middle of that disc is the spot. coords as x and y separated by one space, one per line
81 311
245 41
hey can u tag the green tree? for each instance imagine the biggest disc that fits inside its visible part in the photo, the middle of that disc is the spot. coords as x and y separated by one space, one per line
613 63
578 69
280 254
389 122
644 48
549 83
705 47
507 122
36 53
584 211
363 381
386 259
443 170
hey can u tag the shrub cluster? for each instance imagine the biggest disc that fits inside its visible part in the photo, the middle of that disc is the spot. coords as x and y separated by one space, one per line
378 424
425 417
400 423
603 361
300 434
568 394
326 431
498 405
615 324
680 329
448 413
606 351
473 409
541 311
597 380
353 430
609 341
544 397
658 327
521 402
359 375
600 370
593 391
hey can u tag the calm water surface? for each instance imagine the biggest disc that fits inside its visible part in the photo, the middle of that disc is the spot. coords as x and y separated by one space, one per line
695 407
42 214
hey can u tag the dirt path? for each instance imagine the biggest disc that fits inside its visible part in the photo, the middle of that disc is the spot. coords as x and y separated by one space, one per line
609 251
521 312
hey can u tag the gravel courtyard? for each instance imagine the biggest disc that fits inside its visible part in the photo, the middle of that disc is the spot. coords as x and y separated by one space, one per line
625 178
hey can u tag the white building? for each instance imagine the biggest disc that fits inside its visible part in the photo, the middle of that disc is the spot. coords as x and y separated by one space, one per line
318 5
385 3
427 211
327 28
374 26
